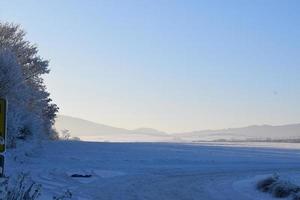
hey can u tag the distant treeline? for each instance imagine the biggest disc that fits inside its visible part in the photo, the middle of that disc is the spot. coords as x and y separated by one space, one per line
288 140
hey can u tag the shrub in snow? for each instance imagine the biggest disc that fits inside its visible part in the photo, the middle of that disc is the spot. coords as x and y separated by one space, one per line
266 184
65 134
20 188
67 195
296 196
279 188
283 189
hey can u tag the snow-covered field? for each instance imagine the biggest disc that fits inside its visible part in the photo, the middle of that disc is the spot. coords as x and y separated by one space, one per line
156 171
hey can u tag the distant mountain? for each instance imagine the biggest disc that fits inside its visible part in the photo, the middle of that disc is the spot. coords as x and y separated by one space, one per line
149 131
291 131
91 131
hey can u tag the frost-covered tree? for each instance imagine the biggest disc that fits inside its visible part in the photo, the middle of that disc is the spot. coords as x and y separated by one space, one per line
14 89
65 134
31 111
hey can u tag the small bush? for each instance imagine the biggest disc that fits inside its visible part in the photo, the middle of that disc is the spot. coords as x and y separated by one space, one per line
296 196
66 195
279 188
283 189
20 188
266 184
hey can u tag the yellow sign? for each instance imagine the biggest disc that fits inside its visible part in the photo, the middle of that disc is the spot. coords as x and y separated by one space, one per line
3 107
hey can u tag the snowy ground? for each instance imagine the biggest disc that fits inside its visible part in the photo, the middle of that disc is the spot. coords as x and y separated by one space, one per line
129 171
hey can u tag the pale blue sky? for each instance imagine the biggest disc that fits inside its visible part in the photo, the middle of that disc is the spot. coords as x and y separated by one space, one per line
171 65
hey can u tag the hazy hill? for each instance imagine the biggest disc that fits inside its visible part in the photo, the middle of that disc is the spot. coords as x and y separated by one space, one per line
149 131
291 131
91 131
87 130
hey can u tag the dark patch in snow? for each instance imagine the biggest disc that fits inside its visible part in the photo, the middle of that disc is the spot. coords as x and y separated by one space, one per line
279 188
81 176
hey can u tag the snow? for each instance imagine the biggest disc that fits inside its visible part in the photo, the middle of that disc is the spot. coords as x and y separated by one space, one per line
156 170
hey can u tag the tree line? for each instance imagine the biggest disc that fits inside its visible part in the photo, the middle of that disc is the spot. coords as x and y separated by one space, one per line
31 111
